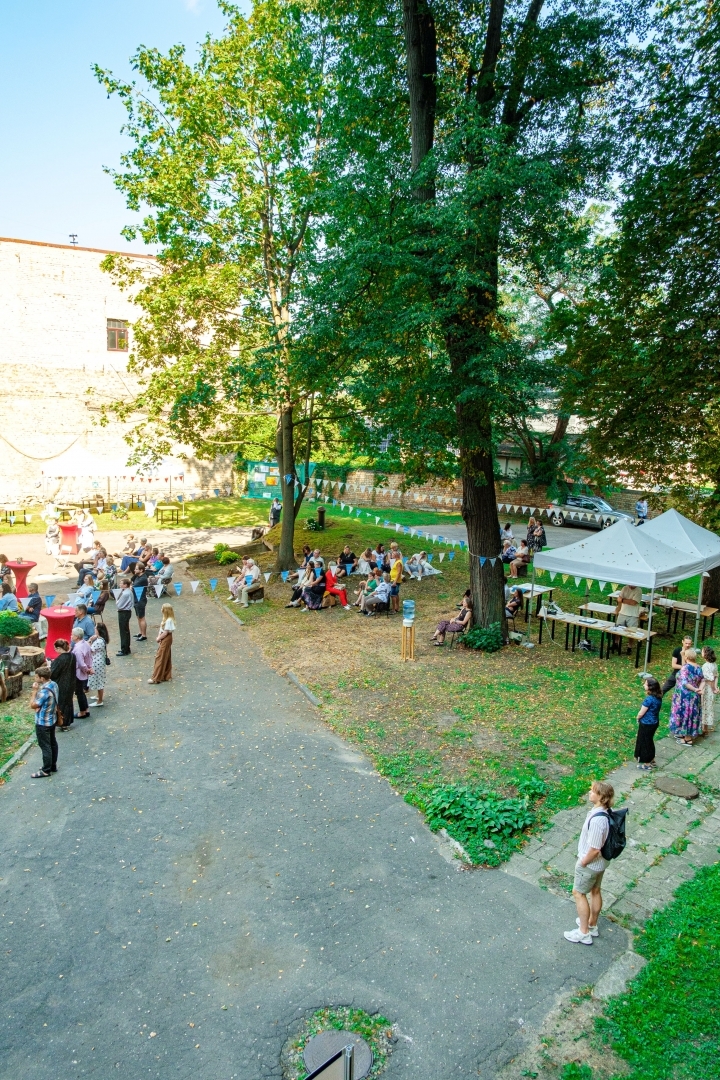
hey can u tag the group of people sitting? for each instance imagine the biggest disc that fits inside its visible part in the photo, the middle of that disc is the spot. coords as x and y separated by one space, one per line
520 553
244 581
315 584
9 601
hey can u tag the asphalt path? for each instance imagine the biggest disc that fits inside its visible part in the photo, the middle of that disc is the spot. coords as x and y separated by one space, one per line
210 864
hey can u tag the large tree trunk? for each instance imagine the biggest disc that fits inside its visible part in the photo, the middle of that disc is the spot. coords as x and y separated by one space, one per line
711 588
421 52
479 512
285 450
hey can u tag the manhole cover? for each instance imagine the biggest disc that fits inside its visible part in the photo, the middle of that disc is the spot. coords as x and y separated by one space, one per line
673 785
323 1046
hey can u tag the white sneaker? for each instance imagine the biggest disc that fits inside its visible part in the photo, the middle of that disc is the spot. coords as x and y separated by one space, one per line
592 930
95 704
346 606
577 938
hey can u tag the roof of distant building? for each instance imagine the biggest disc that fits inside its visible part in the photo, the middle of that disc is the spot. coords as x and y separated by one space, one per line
74 247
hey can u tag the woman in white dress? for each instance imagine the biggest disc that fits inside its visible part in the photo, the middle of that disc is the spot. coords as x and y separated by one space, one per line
420 567
87 530
366 563
708 688
96 682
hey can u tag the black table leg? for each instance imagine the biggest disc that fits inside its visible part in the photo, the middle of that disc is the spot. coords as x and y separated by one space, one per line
552 629
637 653
541 630
567 635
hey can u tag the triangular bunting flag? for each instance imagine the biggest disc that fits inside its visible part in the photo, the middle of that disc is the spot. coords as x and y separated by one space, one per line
116 593
377 519
493 561
441 556
194 585
213 583
230 581
284 574
158 590
553 575
178 587
565 577
342 505
267 577
588 582
578 580
602 585
451 555
49 599
615 586
139 590
525 509
483 560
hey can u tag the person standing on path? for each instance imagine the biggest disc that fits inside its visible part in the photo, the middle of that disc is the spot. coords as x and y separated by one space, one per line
590 865
43 702
124 608
63 673
648 720
162 671
96 682
140 581
83 670
686 711
709 688
678 659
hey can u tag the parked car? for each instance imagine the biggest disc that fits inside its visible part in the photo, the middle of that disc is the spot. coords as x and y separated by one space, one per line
587 511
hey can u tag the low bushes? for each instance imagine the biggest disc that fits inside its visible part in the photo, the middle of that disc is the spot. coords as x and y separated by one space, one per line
12 625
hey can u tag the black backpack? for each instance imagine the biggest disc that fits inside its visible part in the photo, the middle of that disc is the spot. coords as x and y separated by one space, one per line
616 841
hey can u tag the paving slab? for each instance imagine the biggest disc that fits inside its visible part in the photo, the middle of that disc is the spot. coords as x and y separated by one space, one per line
211 863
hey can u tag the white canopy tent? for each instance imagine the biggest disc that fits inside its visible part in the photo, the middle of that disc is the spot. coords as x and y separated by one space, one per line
629 555
681 533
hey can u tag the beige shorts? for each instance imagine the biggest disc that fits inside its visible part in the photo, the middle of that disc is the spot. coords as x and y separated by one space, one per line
586 880
627 620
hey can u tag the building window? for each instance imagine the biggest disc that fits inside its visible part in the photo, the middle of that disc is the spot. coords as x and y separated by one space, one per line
117 335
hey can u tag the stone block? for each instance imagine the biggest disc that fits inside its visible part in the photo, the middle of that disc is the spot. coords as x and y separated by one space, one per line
522 867
618 975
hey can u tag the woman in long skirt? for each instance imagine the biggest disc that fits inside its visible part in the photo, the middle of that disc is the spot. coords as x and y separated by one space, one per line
62 672
685 712
648 720
162 672
709 689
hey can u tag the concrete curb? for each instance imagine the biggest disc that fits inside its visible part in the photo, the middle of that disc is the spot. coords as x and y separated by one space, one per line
232 614
16 757
303 689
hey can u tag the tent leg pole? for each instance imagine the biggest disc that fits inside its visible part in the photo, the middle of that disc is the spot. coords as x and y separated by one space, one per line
697 612
650 619
532 601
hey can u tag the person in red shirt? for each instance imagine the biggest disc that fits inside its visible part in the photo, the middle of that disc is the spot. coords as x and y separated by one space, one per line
331 586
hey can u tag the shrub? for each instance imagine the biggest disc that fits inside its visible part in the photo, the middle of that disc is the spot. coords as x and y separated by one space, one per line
486 824
489 638
224 555
12 625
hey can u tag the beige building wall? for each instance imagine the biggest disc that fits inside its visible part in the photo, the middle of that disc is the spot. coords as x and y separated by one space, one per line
57 373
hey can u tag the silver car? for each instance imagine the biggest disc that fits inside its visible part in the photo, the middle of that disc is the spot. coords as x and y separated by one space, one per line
587 511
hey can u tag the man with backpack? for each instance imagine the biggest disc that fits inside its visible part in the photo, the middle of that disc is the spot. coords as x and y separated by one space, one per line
602 839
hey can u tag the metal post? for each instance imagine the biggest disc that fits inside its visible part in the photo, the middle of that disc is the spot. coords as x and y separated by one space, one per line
650 618
697 612
349 1063
532 600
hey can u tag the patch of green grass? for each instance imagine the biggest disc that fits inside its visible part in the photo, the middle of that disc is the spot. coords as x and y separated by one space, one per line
17 723
667 1024
375 1030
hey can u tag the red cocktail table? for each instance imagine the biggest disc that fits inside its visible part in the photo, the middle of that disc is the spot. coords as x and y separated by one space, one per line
70 536
60 624
21 571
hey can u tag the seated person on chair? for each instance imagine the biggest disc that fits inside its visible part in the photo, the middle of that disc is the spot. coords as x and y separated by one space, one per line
165 575
346 558
366 564
252 571
522 558
458 625
379 557
506 532
332 586
306 578
508 551
306 557
8 600
83 621
370 601
514 604
367 586
34 603
98 606
313 593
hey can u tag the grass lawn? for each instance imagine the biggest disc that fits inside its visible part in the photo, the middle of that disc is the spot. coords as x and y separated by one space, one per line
667 1025
456 716
17 723
224 513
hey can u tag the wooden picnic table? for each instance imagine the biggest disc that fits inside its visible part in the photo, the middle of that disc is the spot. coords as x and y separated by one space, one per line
681 607
12 513
607 631
609 610
172 511
529 590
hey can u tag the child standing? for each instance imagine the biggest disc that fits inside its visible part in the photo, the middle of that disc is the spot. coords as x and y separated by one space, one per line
708 689
648 720
396 573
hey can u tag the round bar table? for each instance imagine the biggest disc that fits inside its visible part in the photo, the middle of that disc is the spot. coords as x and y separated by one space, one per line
21 571
70 536
60 624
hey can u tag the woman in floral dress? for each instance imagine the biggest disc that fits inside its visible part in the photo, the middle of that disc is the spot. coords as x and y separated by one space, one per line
96 682
686 711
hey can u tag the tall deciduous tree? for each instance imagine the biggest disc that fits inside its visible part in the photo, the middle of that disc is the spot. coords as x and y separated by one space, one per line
230 158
